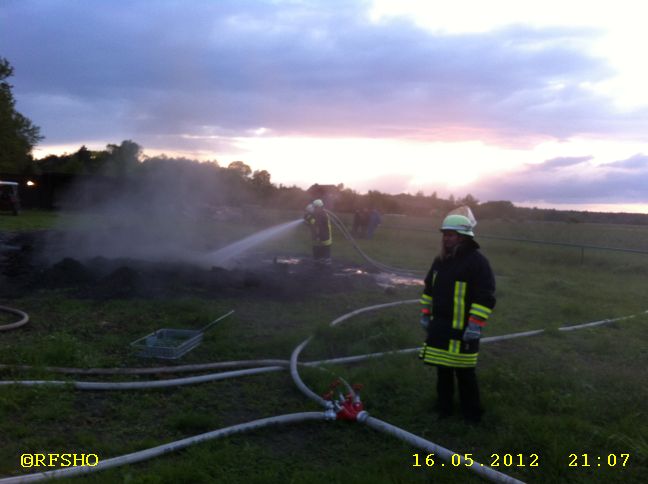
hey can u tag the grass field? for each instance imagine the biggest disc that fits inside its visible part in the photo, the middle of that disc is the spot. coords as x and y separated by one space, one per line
561 400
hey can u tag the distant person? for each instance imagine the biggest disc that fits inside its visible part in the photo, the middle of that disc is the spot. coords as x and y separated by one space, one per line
458 299
355 229
373 222
322 236
363 222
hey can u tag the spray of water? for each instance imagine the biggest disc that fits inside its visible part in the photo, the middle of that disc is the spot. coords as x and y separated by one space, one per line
225 256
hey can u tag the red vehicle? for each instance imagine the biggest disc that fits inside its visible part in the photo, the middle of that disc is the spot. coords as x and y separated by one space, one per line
9 197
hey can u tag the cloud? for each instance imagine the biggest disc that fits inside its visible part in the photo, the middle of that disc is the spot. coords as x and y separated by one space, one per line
572 180
296 68
635 164
555 164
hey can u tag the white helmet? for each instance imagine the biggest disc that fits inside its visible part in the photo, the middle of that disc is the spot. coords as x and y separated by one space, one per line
318 203
461 220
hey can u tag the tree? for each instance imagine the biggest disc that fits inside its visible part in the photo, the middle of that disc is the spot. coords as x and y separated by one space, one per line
123 159
243 169
263 187
18 135
349 200
82 162
89 161
261 179
468 200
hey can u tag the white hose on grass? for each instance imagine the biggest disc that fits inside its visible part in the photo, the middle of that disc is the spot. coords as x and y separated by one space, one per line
150 384
146 454
294 373
24 317
297 379
174 382
402 434
274 365
377 424
346 316
598 323
378 265
152 370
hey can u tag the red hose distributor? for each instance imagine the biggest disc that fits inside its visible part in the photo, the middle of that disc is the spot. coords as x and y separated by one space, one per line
351 406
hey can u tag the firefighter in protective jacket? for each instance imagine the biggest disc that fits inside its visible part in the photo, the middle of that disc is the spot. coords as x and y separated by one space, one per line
320 226
457 301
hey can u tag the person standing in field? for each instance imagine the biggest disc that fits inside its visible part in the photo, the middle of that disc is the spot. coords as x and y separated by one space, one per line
322 236
458 299
374 221
355 229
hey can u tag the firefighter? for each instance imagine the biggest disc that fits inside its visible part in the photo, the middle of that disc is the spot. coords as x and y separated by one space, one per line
320 224
458 298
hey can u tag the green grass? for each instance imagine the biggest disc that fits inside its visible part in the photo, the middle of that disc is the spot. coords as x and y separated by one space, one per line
557 394
29 220
33 219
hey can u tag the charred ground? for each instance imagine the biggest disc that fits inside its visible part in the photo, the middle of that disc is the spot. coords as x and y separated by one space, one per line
25 268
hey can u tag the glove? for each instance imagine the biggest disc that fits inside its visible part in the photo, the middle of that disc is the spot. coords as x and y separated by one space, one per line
425 321
472 333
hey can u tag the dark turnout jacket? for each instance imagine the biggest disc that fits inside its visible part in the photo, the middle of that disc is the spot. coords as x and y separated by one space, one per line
456 288
320 226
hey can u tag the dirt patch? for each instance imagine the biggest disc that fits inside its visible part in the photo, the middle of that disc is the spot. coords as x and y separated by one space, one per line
24 269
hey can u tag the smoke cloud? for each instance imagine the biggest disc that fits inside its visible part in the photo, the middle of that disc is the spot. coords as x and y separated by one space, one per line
165 213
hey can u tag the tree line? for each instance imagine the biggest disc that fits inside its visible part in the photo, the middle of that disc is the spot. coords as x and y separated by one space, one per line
233 184
238 184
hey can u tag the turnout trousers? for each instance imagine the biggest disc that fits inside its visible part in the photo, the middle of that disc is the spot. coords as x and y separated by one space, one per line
468 392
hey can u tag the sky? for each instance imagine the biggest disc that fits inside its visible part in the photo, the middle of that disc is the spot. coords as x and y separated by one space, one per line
541 103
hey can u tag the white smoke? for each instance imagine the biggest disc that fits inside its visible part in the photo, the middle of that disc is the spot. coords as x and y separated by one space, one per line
167 212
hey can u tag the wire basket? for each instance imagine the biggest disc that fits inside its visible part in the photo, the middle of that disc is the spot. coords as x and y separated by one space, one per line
170 343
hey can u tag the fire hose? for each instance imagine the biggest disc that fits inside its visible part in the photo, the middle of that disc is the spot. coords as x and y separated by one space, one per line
378 265
351 408
22 321
258 366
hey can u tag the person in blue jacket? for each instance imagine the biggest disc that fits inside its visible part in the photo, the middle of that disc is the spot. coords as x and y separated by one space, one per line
373 223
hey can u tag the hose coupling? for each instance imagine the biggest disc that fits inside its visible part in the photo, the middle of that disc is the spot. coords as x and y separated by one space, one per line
350 408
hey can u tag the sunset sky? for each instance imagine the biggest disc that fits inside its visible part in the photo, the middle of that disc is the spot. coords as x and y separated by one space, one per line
541 103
